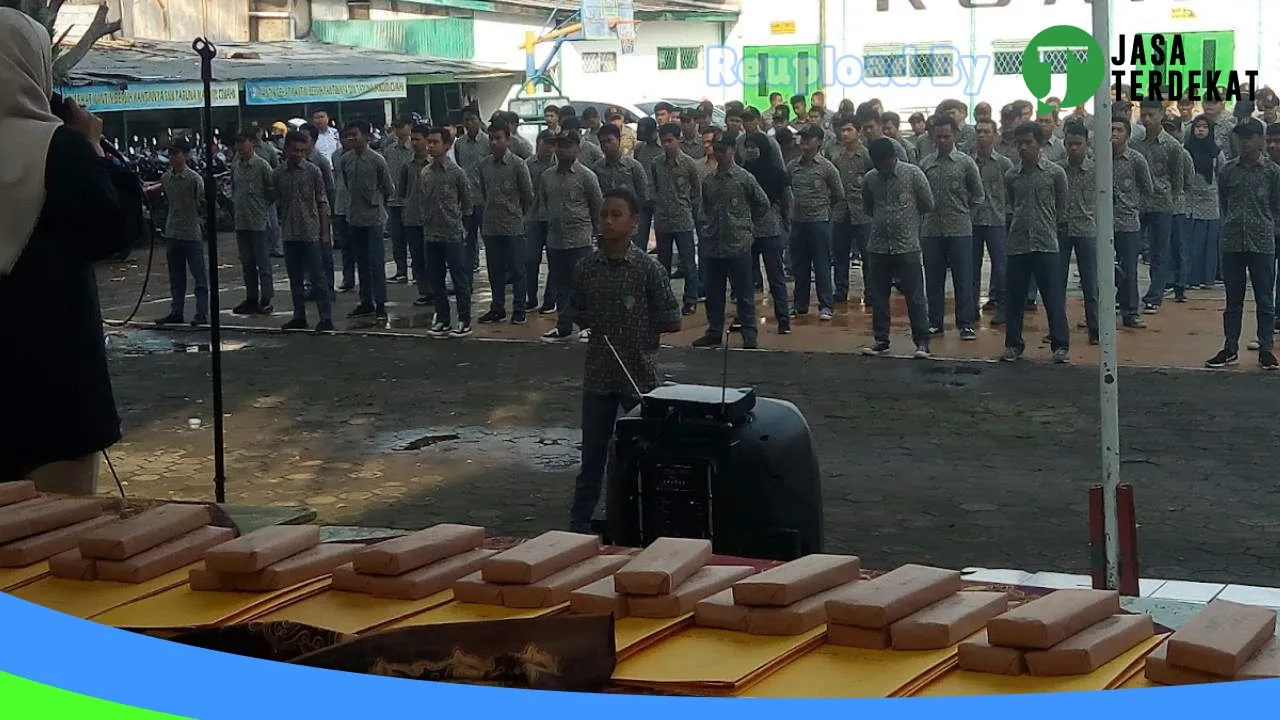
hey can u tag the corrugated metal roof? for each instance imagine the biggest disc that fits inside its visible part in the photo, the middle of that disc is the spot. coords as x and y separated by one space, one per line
165 61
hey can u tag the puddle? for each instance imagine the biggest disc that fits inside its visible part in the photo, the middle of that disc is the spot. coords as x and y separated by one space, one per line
139 343
541 449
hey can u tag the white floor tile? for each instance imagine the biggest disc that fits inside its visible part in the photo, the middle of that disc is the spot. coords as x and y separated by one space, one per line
1148 587
1186 591
1251 595
998 577
1057 581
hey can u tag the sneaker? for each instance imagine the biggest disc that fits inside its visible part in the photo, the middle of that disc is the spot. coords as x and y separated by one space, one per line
519 318
784 329
463 330
1180 297
735 326
1093 339
707 341
750 343
170 319
880 348
855 263
688 310
266 309
1010 355
1267 360
1254 345
324 326
922 353
1061 356
799 313
1223 359
380 312
439 329
199 320
968 334
547 309
1136 323
345 288
554 335
584 336
295 324
936 331
248 307
1150 309
423 301
492 316
398 279
825 315
1082 324
361 311
989 306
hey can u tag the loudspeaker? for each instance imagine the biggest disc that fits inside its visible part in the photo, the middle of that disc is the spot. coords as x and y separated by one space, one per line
741 472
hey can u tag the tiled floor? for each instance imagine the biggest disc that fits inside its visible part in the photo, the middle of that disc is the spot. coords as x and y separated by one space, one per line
1184 591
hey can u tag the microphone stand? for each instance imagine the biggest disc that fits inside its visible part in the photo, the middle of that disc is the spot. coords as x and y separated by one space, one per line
207 52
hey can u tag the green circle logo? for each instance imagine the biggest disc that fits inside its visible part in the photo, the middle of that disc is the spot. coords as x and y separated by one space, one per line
1083 77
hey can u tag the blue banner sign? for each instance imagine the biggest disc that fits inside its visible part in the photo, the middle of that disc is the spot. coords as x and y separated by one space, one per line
151 96
323 90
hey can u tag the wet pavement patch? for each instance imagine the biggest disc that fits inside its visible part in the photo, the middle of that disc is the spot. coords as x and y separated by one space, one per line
138 343
541 449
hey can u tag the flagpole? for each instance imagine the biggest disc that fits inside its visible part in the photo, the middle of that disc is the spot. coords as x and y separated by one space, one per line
1108 367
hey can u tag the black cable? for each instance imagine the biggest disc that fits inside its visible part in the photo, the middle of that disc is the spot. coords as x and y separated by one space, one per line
142 294
111 467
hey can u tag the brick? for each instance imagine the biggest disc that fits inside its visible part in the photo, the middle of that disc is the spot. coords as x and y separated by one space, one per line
663 566
1047 621
880 602
403 554
796 580
947 621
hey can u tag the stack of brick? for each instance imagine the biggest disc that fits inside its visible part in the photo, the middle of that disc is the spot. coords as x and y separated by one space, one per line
1226 641
914 607
36 527
273 558
414 566
665 580
143 547
790 599
538 573
1067 632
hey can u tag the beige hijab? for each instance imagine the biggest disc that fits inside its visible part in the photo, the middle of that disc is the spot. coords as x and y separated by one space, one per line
26 129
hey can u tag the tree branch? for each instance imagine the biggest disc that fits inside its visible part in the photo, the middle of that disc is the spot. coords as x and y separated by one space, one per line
97 30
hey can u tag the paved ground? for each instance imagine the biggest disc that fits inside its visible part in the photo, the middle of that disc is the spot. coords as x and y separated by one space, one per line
954 463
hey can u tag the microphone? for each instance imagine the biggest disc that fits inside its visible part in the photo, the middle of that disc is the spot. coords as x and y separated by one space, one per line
58 106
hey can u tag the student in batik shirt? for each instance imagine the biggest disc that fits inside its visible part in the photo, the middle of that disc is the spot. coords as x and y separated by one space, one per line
183 231
304 229
624 298
1249 197
252 193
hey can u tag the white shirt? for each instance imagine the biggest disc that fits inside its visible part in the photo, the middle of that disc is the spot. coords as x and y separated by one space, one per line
328 143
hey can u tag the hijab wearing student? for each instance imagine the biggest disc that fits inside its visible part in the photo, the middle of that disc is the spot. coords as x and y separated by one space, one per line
766 167
1204 150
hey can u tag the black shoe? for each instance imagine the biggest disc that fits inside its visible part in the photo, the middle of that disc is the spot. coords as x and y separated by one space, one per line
493 316
170 319
554 336
750 343
707 341
547 309
998 320
735 327
1093 338
199 320
936 331
1030 307
346 288
1223 359
1267 360
463 330
248 307
1136 323
361 311
423 301
295 324
989 306
398 279
275 254
968 334
519 318
265 309
880 348
324 326
798 313
784 329
688 310
380 312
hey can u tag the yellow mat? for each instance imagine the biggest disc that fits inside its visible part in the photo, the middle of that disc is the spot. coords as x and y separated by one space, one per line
84 598
832 671
700 660
182 607
13 578
632 635
352 613
456 612
962 682
1139 682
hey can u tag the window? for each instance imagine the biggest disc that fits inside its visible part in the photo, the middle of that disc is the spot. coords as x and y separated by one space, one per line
885 66
679 58
599 62
900 61
932 65
357 10
1008 61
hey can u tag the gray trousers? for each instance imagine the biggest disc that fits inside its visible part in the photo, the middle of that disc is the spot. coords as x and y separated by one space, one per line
255 265
184 255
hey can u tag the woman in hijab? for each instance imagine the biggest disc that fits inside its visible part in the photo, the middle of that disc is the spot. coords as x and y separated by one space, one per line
762 161
1204 224
61 214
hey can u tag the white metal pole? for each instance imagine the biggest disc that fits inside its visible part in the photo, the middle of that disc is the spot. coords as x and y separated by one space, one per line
1108 368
